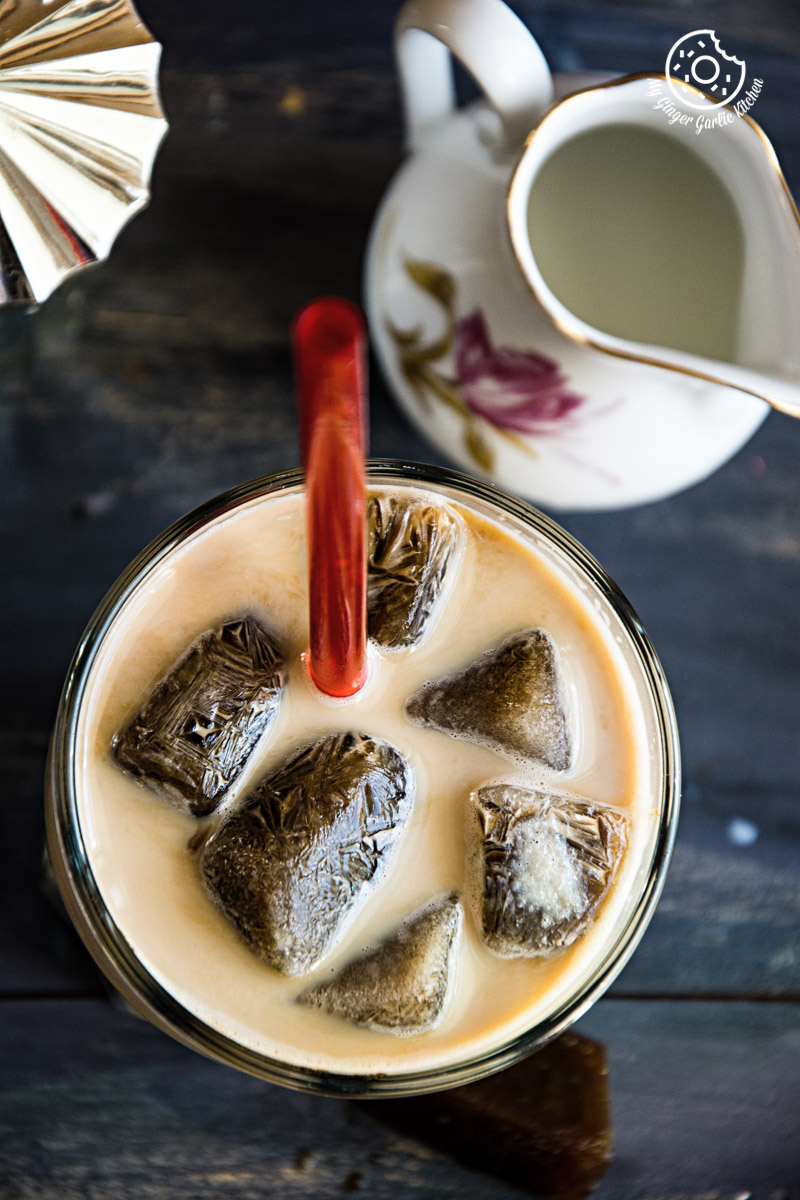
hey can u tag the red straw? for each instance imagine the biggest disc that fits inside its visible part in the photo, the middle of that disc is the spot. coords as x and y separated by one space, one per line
329 342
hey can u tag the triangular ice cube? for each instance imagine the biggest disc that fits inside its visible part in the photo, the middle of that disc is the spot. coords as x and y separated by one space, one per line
196 731
413 544
509 700
290 865
401 986
547 861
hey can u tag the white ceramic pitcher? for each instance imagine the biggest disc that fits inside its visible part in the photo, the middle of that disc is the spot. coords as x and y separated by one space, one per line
482 355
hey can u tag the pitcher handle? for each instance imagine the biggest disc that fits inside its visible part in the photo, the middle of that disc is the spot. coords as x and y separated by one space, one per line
495 47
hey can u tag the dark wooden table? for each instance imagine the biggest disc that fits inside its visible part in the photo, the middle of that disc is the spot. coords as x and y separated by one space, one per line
163 377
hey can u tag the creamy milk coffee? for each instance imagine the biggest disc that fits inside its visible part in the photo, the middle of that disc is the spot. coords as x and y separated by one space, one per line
145 853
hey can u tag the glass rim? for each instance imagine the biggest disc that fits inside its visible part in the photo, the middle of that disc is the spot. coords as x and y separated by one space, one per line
116 957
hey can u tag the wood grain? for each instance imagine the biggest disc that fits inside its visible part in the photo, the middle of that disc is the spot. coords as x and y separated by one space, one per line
246 35
95 1103
164 376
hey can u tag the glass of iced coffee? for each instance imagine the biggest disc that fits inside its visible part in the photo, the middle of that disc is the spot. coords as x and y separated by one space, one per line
385 895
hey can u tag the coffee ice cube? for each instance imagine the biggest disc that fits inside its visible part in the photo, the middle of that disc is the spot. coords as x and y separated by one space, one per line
547 861
402 985
543 1124
290 864
194 734
413 545
510 700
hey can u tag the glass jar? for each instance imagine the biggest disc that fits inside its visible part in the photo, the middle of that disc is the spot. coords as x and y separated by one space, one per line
70 849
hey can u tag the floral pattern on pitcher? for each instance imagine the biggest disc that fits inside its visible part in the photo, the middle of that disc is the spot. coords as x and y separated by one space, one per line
519 393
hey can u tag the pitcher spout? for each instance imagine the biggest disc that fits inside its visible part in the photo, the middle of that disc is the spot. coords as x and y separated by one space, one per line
663 239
